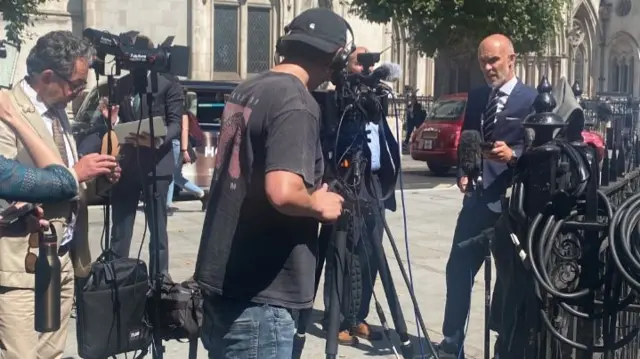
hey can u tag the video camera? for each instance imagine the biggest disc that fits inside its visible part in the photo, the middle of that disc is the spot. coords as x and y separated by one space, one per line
138 55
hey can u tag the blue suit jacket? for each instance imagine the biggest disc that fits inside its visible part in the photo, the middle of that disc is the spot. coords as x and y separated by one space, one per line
508 128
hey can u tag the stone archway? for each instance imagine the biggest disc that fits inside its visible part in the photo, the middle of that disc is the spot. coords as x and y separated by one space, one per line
579 45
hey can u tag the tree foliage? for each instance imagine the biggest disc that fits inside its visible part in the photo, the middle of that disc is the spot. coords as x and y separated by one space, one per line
18 15
443 24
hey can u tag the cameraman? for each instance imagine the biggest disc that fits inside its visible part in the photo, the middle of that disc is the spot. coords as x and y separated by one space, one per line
385 162
258 250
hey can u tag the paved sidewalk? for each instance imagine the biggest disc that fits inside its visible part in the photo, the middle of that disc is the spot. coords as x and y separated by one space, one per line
411 165
431 216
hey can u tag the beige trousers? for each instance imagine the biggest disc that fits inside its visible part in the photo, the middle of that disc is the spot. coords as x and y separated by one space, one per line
18 339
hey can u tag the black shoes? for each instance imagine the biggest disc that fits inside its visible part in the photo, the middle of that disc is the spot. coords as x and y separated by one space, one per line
205 201
450 350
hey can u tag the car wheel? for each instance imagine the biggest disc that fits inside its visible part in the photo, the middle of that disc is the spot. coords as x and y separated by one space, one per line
438 170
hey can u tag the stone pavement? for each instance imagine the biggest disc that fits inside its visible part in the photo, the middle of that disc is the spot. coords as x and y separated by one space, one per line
431 216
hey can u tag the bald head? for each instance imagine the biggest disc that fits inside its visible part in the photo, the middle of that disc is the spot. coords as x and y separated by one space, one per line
353 66
497 59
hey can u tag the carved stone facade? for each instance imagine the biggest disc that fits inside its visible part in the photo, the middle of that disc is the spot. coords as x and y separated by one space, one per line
229 39
572 54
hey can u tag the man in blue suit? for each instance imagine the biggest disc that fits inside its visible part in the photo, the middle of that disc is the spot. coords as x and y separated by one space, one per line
496 111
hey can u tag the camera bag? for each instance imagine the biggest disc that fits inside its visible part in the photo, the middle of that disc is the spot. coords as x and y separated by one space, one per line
111 309
180 312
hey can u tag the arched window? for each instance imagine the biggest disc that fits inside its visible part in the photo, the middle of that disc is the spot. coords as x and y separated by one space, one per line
621 65
252 20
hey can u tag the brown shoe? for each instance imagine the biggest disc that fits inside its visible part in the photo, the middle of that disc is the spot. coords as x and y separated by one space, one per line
364 331
345 338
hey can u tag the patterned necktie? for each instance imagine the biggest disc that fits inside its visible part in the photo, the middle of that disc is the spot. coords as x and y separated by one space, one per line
490 115
58 136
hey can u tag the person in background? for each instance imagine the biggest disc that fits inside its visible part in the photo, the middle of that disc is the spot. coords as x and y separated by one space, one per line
136 159
415 116
183 153
384 161
93 141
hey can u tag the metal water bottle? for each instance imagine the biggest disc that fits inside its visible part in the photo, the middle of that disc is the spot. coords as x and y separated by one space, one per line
47 308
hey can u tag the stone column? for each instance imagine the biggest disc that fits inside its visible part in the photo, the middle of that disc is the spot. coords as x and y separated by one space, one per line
201 39
557 71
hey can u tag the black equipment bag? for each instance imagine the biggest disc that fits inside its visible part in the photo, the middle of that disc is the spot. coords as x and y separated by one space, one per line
111 309
180 312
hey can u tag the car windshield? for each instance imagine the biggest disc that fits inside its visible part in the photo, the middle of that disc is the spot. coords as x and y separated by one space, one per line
449 109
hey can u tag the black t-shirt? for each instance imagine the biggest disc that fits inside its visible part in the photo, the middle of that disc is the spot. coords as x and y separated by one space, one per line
249 250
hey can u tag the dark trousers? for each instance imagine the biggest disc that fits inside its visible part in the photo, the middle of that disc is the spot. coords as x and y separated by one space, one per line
372 229
463 265
410 128
125 197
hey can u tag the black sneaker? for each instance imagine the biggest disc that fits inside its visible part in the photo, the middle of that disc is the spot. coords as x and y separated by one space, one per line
205 201
450 350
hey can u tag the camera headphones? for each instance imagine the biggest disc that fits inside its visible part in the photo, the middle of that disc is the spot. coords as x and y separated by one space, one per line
341 57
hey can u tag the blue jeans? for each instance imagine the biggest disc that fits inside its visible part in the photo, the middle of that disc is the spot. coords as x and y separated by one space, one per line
178 178
238 330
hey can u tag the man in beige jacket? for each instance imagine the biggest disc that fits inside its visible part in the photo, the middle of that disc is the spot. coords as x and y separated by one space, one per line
57 70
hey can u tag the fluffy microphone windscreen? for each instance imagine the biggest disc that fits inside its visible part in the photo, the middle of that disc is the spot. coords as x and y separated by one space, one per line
469 152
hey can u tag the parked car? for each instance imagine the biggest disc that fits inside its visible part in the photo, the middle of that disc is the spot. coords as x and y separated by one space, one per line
436 140
210 103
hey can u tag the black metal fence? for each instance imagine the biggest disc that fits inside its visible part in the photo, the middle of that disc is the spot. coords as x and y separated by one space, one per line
401 103
582 237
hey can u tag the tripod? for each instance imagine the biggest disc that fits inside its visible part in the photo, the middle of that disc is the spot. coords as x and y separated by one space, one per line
147 87
338 253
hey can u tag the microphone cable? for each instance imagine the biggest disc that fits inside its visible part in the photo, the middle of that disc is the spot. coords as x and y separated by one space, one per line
408 279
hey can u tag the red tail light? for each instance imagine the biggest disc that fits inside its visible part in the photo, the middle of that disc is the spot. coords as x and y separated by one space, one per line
455 138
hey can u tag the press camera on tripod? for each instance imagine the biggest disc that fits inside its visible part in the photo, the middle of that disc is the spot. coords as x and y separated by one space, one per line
359 99
121 307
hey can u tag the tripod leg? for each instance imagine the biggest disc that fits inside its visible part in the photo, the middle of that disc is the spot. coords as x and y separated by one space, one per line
430 350
337 284
487 301
392 299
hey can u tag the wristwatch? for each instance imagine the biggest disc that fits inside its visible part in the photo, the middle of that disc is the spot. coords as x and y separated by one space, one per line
514 158
181 150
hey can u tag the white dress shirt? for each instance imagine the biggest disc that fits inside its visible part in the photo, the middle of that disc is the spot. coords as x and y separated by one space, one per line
506 89
42 110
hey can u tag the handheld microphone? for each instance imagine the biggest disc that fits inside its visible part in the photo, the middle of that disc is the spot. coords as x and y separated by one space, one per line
470 158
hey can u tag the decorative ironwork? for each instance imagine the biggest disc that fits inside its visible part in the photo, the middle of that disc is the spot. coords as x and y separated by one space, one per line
258 39
576 34
225 38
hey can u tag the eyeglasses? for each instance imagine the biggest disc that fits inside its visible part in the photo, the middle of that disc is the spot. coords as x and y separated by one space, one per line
74 87
31 258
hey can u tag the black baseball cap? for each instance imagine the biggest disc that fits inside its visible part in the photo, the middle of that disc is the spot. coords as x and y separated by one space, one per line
319 28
